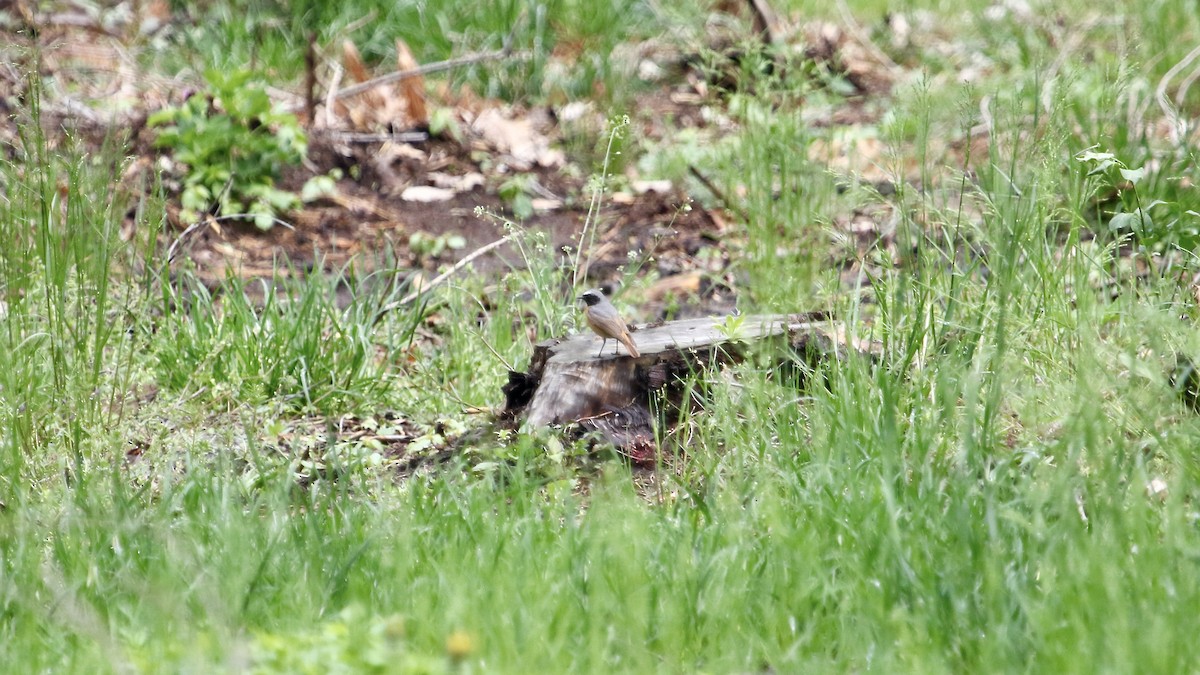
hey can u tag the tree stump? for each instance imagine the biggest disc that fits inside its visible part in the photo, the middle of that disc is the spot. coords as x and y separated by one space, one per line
569 382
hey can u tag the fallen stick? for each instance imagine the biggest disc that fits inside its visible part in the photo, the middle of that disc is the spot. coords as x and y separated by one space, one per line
766 23
718 193
467 259
366 137
448 64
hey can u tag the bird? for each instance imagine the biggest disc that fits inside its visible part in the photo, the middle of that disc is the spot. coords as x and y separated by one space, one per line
606 321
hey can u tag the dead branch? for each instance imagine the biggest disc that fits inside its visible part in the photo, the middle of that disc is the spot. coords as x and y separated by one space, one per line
331 94
1178 125
766 22
364 137
505 52
864 39
429 68
467 260
718 193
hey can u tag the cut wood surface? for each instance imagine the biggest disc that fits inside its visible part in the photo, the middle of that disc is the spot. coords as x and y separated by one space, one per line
568 381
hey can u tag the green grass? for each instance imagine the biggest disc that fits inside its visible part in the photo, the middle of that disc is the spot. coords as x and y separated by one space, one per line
974 500
272 37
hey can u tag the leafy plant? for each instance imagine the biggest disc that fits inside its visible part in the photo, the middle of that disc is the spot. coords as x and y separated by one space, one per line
1133 216
353 641
517 192
442 124
731 327
320 186
234 144
426 246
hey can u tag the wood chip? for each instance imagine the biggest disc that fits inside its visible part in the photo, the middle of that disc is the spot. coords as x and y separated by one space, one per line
427 194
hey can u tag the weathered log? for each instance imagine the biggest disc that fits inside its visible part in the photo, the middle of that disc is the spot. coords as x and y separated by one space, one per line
569 382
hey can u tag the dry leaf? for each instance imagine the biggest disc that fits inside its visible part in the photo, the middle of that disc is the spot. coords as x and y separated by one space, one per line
517 139
376 109
412 90
353 63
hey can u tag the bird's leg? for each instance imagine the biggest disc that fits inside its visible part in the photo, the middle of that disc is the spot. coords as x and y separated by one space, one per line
603 341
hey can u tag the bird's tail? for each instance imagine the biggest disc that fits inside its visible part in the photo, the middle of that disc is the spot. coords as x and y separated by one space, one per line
628 342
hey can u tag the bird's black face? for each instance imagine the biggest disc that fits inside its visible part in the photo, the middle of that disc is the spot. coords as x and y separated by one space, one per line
592 298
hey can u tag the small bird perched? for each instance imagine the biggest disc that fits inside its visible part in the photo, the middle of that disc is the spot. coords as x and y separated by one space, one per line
606 321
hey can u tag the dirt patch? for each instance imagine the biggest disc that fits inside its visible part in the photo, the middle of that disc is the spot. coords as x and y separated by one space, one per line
365 220
393 193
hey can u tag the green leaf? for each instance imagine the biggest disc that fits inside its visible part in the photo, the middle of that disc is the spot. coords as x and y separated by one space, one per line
232 207
443 124
317 187
1137 222
234 145
162 117
195 198
264 221
522 206
167 138
1088 156
1133 175
250 103
271 196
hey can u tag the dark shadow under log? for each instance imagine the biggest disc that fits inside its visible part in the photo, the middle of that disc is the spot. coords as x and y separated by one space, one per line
569 383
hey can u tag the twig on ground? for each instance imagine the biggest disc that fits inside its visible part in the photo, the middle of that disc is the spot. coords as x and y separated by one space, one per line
483 311
1068 47
985 115
331 95
365 137
251 216
178 240
1181 93
467 260
864 39
490 348
71 107
718 193
437 67
505 52
766 22
208 220
350 28
1178 125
